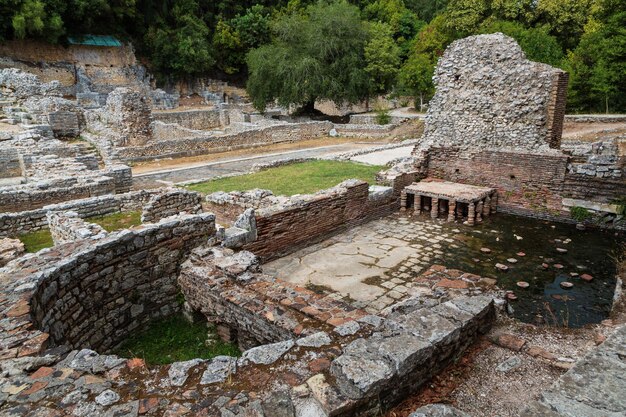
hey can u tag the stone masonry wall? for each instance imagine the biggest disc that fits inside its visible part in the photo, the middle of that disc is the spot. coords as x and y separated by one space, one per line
128 115
17 223
95 297
29 196
171 202
10 165
68 226
203 145
191 119
490 96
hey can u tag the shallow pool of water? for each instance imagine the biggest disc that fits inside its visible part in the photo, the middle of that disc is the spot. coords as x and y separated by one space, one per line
532 243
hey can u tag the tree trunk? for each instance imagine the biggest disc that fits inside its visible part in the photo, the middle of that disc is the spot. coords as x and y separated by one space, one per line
607 103
421 102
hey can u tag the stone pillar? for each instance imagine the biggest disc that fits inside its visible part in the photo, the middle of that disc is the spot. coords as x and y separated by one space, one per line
494 202
451 210
434 208
487 207
417 200
403 200
471 214
479 211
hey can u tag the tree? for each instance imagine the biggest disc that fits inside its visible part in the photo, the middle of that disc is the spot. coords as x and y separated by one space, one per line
382 57
35 18
566 19
598 64
416 78
315 54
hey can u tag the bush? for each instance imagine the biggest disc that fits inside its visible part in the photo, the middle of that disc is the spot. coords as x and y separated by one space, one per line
579 213
383 117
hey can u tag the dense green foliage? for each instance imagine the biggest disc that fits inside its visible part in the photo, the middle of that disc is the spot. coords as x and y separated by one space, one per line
343 50
301 178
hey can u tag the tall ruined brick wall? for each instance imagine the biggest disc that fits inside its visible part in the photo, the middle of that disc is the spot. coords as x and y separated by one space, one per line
191 119
241 140
524 181
489 96
169 203
556 108
95 295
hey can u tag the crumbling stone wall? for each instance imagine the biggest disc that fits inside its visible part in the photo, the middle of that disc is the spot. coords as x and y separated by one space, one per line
116 179
17 223
171 202
68 226
208 144
10 165
191 119
95 297
490 96
128 115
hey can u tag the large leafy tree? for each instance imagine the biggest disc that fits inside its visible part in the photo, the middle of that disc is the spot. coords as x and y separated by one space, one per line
317 54
382 57
598 65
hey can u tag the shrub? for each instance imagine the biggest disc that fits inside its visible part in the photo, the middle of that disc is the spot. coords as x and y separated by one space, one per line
579 213
383 117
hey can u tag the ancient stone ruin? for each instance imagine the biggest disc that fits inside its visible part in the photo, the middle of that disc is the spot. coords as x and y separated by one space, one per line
380 311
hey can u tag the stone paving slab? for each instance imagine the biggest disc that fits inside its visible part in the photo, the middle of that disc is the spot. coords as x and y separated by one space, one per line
594 387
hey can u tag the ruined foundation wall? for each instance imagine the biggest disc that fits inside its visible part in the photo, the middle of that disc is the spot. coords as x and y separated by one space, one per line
202 145
17 223
68 227
10 165
95 298
191 119
284 228
116 179
169 203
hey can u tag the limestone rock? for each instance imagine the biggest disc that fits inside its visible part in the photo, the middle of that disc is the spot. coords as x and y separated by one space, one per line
265 354
10 249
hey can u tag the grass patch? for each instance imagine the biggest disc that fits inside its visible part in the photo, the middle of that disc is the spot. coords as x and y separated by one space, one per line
301 178
36 241
117 221
174 339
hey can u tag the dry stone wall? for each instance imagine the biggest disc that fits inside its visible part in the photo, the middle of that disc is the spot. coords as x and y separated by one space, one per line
490 96
115 179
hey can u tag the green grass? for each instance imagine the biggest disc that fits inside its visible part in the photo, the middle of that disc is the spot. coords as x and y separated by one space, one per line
117 221
174 339
300 178
36 241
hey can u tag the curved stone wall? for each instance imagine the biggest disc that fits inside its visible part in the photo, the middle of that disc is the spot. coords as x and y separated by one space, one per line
94 294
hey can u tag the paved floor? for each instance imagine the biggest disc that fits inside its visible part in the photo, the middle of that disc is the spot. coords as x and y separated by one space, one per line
371 266
384 157
239 165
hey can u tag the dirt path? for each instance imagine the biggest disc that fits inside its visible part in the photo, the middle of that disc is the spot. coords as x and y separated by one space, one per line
592 131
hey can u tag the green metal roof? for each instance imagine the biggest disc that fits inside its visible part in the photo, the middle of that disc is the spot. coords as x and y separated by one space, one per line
95 40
